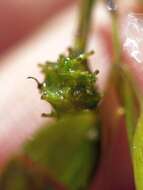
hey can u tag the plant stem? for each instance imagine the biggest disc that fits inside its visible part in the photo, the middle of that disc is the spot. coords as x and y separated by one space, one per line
137 153
85 13
116 39
131 104
122 80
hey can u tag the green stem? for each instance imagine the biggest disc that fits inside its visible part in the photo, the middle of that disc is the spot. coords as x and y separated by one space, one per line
86 7
123 81
131 104
112 8
116 39
137 153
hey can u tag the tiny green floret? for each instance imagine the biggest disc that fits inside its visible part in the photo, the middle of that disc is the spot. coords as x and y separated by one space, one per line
68 85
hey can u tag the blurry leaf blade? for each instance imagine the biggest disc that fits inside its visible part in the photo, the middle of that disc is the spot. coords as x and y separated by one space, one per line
131 108
66 150
138 154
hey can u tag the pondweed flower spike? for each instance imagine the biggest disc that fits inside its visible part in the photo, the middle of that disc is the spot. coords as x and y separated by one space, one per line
69 85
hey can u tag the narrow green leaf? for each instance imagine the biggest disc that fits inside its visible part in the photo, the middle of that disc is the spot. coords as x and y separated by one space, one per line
130 102
129 98
138 154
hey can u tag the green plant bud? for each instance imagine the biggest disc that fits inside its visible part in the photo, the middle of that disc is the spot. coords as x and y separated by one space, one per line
68 85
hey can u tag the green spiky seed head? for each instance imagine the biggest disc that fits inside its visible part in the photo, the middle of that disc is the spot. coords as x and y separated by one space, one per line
68 85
